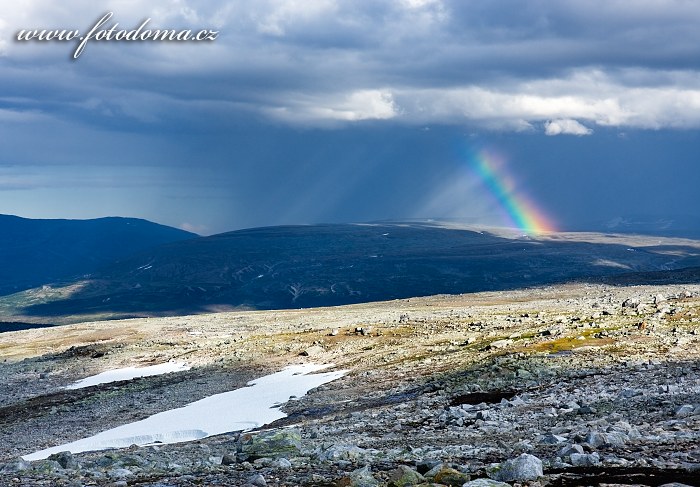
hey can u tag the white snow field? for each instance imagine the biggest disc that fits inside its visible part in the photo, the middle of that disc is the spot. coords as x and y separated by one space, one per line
240 409
128 373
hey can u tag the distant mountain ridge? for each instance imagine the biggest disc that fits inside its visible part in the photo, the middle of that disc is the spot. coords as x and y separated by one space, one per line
324 265
34 252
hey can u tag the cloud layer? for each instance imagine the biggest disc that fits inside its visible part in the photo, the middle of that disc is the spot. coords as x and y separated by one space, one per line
326 110
494 64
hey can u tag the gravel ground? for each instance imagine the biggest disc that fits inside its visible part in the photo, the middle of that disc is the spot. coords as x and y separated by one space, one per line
598 384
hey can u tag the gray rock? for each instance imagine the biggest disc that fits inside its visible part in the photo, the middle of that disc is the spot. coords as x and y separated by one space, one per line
131 460
449 476
341 452
257 480
228 459
685 410
485 483
627 393
360 478
274 444
551 439
425 467
65 459
569 450
404 476
586 409
17 465
106 460
500 343
281 463
584 459
525 467
597 439
119 473
313 351
47 466
484 414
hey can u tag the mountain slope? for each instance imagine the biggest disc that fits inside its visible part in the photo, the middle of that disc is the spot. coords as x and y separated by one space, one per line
322 265
36 252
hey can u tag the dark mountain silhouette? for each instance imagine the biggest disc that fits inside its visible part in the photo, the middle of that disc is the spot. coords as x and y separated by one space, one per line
322 265
37 252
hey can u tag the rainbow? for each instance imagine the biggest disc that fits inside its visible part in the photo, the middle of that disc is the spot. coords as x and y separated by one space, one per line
520 209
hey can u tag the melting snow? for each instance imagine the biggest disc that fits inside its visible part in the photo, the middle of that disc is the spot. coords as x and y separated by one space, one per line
128 373
241 409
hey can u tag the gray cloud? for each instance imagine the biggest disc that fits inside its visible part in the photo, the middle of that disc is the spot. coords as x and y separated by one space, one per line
503 64
321 110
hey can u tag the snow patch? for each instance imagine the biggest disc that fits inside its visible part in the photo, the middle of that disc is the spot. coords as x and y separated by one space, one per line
128 373
240 409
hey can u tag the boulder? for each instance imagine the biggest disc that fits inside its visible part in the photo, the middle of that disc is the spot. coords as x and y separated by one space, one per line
450 476
65 459
359 478
17 465
485 483
272 444
313 351
525 467
340 452
584 459
257 480
404 476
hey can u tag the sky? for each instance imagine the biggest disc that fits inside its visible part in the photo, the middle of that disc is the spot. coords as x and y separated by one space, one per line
574 113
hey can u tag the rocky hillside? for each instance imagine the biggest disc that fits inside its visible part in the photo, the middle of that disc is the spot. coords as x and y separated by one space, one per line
328 265
559 386
38 252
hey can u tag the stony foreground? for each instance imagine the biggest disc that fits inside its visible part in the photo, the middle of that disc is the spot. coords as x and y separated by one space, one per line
562 386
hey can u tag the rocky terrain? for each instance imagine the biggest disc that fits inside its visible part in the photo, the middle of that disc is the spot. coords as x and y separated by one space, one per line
310 266
37 252
564 385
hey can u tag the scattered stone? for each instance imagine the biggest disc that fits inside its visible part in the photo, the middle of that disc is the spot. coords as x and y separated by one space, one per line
313 351
425 466
685 410
276 443
229 459
551 439
500 343
120 473
449 476
65 459
17 465
359 478
569 450
341 452
582 407
404 476
486 483
524 467
282 463
597 439
584 459
257 480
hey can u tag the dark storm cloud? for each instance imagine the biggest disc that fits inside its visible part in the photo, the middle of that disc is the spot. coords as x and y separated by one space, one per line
314 110
408 60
